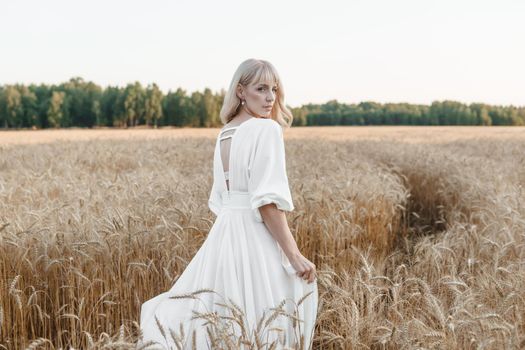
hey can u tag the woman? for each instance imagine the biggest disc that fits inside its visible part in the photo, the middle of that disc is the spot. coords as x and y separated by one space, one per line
248 281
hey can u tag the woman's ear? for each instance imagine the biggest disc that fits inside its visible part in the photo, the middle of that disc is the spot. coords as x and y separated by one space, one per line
240 92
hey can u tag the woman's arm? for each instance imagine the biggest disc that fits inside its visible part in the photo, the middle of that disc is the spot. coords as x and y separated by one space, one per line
277 224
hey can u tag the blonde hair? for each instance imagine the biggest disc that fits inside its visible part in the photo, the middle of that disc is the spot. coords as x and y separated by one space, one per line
255 71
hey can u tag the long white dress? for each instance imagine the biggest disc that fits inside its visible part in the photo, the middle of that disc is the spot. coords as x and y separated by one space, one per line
239 260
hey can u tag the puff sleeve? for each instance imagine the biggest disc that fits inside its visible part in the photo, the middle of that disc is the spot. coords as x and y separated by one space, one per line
268 181
214 201
215 198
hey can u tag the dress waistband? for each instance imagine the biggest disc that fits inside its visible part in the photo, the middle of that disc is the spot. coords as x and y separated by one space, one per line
236 199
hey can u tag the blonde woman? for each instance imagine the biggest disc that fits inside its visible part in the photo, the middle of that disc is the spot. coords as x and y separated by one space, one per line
250 258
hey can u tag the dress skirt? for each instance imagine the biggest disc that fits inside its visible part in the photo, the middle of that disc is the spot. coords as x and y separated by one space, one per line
241 276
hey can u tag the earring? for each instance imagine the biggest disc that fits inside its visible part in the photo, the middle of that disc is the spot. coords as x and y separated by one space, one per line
242 102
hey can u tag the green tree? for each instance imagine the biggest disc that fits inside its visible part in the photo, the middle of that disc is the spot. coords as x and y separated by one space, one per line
55 112
197 109
134 104
153 104
111 106
211 109
12 106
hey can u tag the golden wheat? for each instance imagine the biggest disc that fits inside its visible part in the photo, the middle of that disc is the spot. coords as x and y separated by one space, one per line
417 232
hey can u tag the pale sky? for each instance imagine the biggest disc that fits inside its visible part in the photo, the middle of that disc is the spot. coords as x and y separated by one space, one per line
412 51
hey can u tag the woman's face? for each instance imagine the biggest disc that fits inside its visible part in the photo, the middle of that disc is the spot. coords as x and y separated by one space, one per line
260 97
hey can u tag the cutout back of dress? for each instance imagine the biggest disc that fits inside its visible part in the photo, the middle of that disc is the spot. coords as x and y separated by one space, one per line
225 139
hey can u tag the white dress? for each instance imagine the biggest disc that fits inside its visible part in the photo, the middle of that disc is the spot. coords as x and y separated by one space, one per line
240 260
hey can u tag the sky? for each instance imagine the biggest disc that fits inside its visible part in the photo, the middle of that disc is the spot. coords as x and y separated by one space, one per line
414 51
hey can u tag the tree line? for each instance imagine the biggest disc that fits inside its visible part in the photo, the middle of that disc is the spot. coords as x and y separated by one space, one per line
80 103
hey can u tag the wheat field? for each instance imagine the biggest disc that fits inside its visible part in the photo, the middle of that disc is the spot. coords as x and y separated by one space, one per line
418 233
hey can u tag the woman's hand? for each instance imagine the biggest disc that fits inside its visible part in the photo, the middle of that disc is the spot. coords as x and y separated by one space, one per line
275 221
304 267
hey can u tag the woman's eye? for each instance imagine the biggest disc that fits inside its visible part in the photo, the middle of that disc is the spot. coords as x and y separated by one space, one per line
260 89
